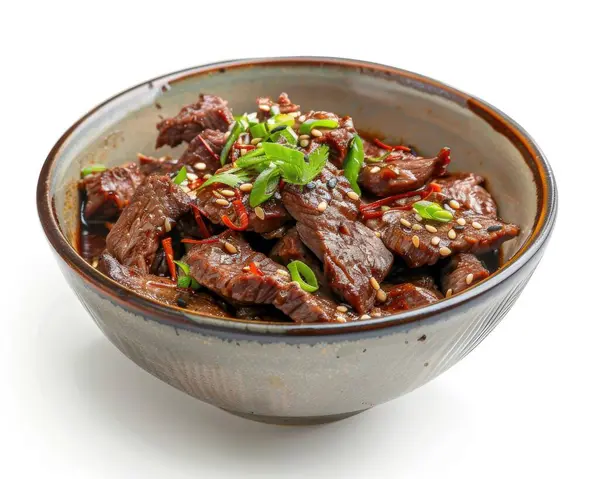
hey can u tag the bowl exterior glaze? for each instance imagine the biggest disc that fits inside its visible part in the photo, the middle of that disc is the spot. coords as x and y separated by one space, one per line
293 374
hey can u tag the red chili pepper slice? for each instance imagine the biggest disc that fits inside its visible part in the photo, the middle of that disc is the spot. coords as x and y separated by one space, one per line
200 222
255 269
204 241
381 144
388 174
372 210
242 215
239 146
167 245
210 150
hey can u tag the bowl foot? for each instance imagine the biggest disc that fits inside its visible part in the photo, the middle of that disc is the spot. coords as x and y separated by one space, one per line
295 421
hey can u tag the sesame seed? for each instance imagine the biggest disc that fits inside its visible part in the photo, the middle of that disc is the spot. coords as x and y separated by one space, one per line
255 141
449 293
246 268
207 176
200 166
229 193
230 248
283 272
418 217
332 183
294 114
454 204
405 222
264 107
192 177
375 169
304 143
322 206
417 227
222 202
431 229
365 316
353 196
452 234
259 212
378 234
381 296
167 225
311 185
316 133
494 228
302 118
374 283
342 309
304 137
339 319
216 194
185 189
95 263
385 208
445 251
476 225
243 151
459 227
376 315
415 241
245 187
461 221
435 240
469 279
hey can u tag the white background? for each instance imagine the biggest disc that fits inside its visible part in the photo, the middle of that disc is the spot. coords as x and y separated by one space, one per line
524 404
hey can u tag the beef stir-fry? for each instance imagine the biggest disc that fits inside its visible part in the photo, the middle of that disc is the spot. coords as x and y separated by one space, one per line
288 215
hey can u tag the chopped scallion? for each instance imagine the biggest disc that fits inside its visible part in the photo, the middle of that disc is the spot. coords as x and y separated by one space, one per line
88 170
181 176
308 125
304 276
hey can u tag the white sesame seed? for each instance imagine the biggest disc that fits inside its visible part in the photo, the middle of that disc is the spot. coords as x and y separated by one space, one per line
227 193
342 309
378 234
207 176
185 189
435 240
469 278
245 187
259 212
449 293
339 319
445 251
200 166
322 206
95 263
353 195
452 234
365 316
304 137
415 241
243 151
431 229
476 225
255 141
405 222
222 202
374 283
192 177
167 225
264 107
230 248
316 133
294 114
282 272
246 268
381 295
375 169
454 204
304 143
417 227
302 118
461 221
418 217
376 315
216 194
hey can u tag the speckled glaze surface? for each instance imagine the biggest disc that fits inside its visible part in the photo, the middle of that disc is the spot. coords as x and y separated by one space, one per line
303 374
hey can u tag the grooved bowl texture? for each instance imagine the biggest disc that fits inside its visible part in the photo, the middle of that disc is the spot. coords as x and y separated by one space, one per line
285 373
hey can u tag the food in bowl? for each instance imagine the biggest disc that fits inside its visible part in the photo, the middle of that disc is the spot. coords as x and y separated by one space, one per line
288 215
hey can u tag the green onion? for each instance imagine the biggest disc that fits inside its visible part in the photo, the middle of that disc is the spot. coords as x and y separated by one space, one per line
305 276
184 267
195 284
235 133
354 161
231 178
377 159
265 186
88 170
184 281
432 211
287 133
248 162
317 160
259 131
308 125
181 176
243 119
280 120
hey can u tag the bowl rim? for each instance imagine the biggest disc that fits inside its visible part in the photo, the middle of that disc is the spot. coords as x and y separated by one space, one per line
179 318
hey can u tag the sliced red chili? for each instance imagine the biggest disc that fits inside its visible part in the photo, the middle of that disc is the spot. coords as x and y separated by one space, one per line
200 222
372 210
167 245
388 174
255 269
239 146
204 241
210 150
242 215
444 158
381 144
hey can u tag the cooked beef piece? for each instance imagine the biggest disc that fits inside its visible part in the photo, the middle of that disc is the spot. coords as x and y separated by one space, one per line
479 234
409 295
275 234
110 191
135 237
402 173
150 165
350 253
284 104
467 188
338 139
159 289
203 152
208 199
463 271
230 275
264 312
371 149
210 111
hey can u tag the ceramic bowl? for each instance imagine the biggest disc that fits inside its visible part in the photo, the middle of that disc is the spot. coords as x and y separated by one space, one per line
314 373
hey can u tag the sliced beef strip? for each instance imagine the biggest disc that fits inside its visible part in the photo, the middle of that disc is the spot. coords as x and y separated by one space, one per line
203 152
337 139
403 173
351 254
415 246
229 275
155 207
110 191
463 271
467 188
409 295
150 165
283 102
210 111
158 288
